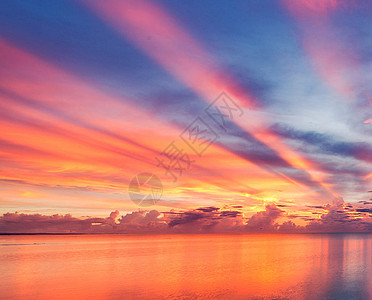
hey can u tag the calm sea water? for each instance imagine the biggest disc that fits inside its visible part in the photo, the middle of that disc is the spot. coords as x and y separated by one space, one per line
337 266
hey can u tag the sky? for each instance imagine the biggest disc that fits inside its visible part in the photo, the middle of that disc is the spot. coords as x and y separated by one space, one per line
248 116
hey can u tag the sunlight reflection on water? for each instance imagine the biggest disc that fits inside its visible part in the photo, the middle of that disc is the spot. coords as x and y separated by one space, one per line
336 266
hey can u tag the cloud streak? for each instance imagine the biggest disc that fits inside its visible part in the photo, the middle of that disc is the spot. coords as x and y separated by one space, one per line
85 110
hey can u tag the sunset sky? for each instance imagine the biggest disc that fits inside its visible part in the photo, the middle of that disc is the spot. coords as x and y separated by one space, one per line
93 92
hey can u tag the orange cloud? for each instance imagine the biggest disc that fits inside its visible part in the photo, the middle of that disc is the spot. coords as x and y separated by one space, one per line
158 35
82 147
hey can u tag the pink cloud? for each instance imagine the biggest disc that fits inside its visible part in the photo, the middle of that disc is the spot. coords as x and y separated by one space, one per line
265 220
336 217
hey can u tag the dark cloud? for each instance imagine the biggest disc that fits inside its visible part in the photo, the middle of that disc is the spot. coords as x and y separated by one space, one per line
231 214
315 206
367 210
187 218
326 143
365 202
208 209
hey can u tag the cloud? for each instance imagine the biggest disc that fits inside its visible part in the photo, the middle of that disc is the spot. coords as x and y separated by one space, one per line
205 219
264 220
141 222
326 143
337 217
36 223
113 215
342 217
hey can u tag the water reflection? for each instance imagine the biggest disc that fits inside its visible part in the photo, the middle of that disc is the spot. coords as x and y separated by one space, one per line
348 266
189 266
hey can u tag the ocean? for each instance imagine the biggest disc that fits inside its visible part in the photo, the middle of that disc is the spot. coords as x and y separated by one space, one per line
204 266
